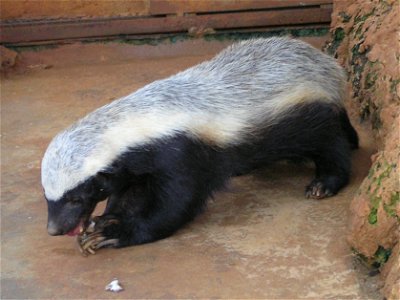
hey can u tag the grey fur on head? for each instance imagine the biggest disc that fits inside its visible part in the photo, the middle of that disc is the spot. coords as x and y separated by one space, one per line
224 101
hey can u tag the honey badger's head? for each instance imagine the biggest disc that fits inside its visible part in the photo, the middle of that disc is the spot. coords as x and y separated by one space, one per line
69 213
71 190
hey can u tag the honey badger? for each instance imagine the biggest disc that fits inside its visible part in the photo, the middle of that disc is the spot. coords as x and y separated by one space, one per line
157 154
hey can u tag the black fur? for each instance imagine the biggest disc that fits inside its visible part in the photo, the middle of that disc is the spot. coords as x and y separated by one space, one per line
155 189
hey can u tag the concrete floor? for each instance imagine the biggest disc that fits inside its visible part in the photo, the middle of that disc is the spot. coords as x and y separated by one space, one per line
259 239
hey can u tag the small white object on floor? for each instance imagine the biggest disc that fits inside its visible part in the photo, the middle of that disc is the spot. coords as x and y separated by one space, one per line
114 286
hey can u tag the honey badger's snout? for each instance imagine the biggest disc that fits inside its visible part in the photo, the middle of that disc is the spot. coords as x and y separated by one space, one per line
65 217
53 229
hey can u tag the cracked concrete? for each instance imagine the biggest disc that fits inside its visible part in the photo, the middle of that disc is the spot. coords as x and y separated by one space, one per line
258 239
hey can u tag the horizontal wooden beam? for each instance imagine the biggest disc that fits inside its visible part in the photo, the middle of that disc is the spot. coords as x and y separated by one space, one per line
162 7
45 30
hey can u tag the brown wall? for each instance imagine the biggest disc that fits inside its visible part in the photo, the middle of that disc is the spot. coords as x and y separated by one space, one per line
38 9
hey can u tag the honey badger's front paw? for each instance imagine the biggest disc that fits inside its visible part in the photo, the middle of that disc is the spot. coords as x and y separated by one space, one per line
101 232
318 189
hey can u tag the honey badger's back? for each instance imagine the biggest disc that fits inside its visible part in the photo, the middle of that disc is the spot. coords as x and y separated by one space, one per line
255 79
270 67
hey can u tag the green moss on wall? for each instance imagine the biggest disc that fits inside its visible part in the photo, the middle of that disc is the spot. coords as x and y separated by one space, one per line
337 38
370 80
376 175
345 17
363 18
358 60
393 86
391 207
381 256
373 216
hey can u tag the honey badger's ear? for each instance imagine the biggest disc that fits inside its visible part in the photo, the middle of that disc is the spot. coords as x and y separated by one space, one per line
103 176
104 182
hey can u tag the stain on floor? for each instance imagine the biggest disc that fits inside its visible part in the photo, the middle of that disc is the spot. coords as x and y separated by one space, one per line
258 239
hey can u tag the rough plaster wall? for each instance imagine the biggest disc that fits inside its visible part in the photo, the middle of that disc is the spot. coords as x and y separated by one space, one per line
365 39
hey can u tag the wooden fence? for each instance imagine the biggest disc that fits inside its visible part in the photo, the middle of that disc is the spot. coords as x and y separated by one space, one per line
166 16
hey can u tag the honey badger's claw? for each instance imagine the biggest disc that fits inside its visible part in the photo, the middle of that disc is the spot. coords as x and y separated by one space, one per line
112 242
317 190
85 238
91 243
92 237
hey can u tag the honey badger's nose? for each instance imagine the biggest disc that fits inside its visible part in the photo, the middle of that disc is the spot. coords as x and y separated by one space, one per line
52 229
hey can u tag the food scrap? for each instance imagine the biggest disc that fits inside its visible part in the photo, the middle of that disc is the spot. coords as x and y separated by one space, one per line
114 286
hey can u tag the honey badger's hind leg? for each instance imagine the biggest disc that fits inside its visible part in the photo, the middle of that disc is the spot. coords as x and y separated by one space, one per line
349 130
333 164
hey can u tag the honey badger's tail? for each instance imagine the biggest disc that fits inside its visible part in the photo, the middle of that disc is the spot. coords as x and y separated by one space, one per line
349 130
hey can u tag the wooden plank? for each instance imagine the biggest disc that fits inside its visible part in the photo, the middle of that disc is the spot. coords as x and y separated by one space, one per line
58 30
163 7
168 34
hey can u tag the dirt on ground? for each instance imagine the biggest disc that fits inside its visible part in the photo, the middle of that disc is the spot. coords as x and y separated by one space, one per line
261 238
366 41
